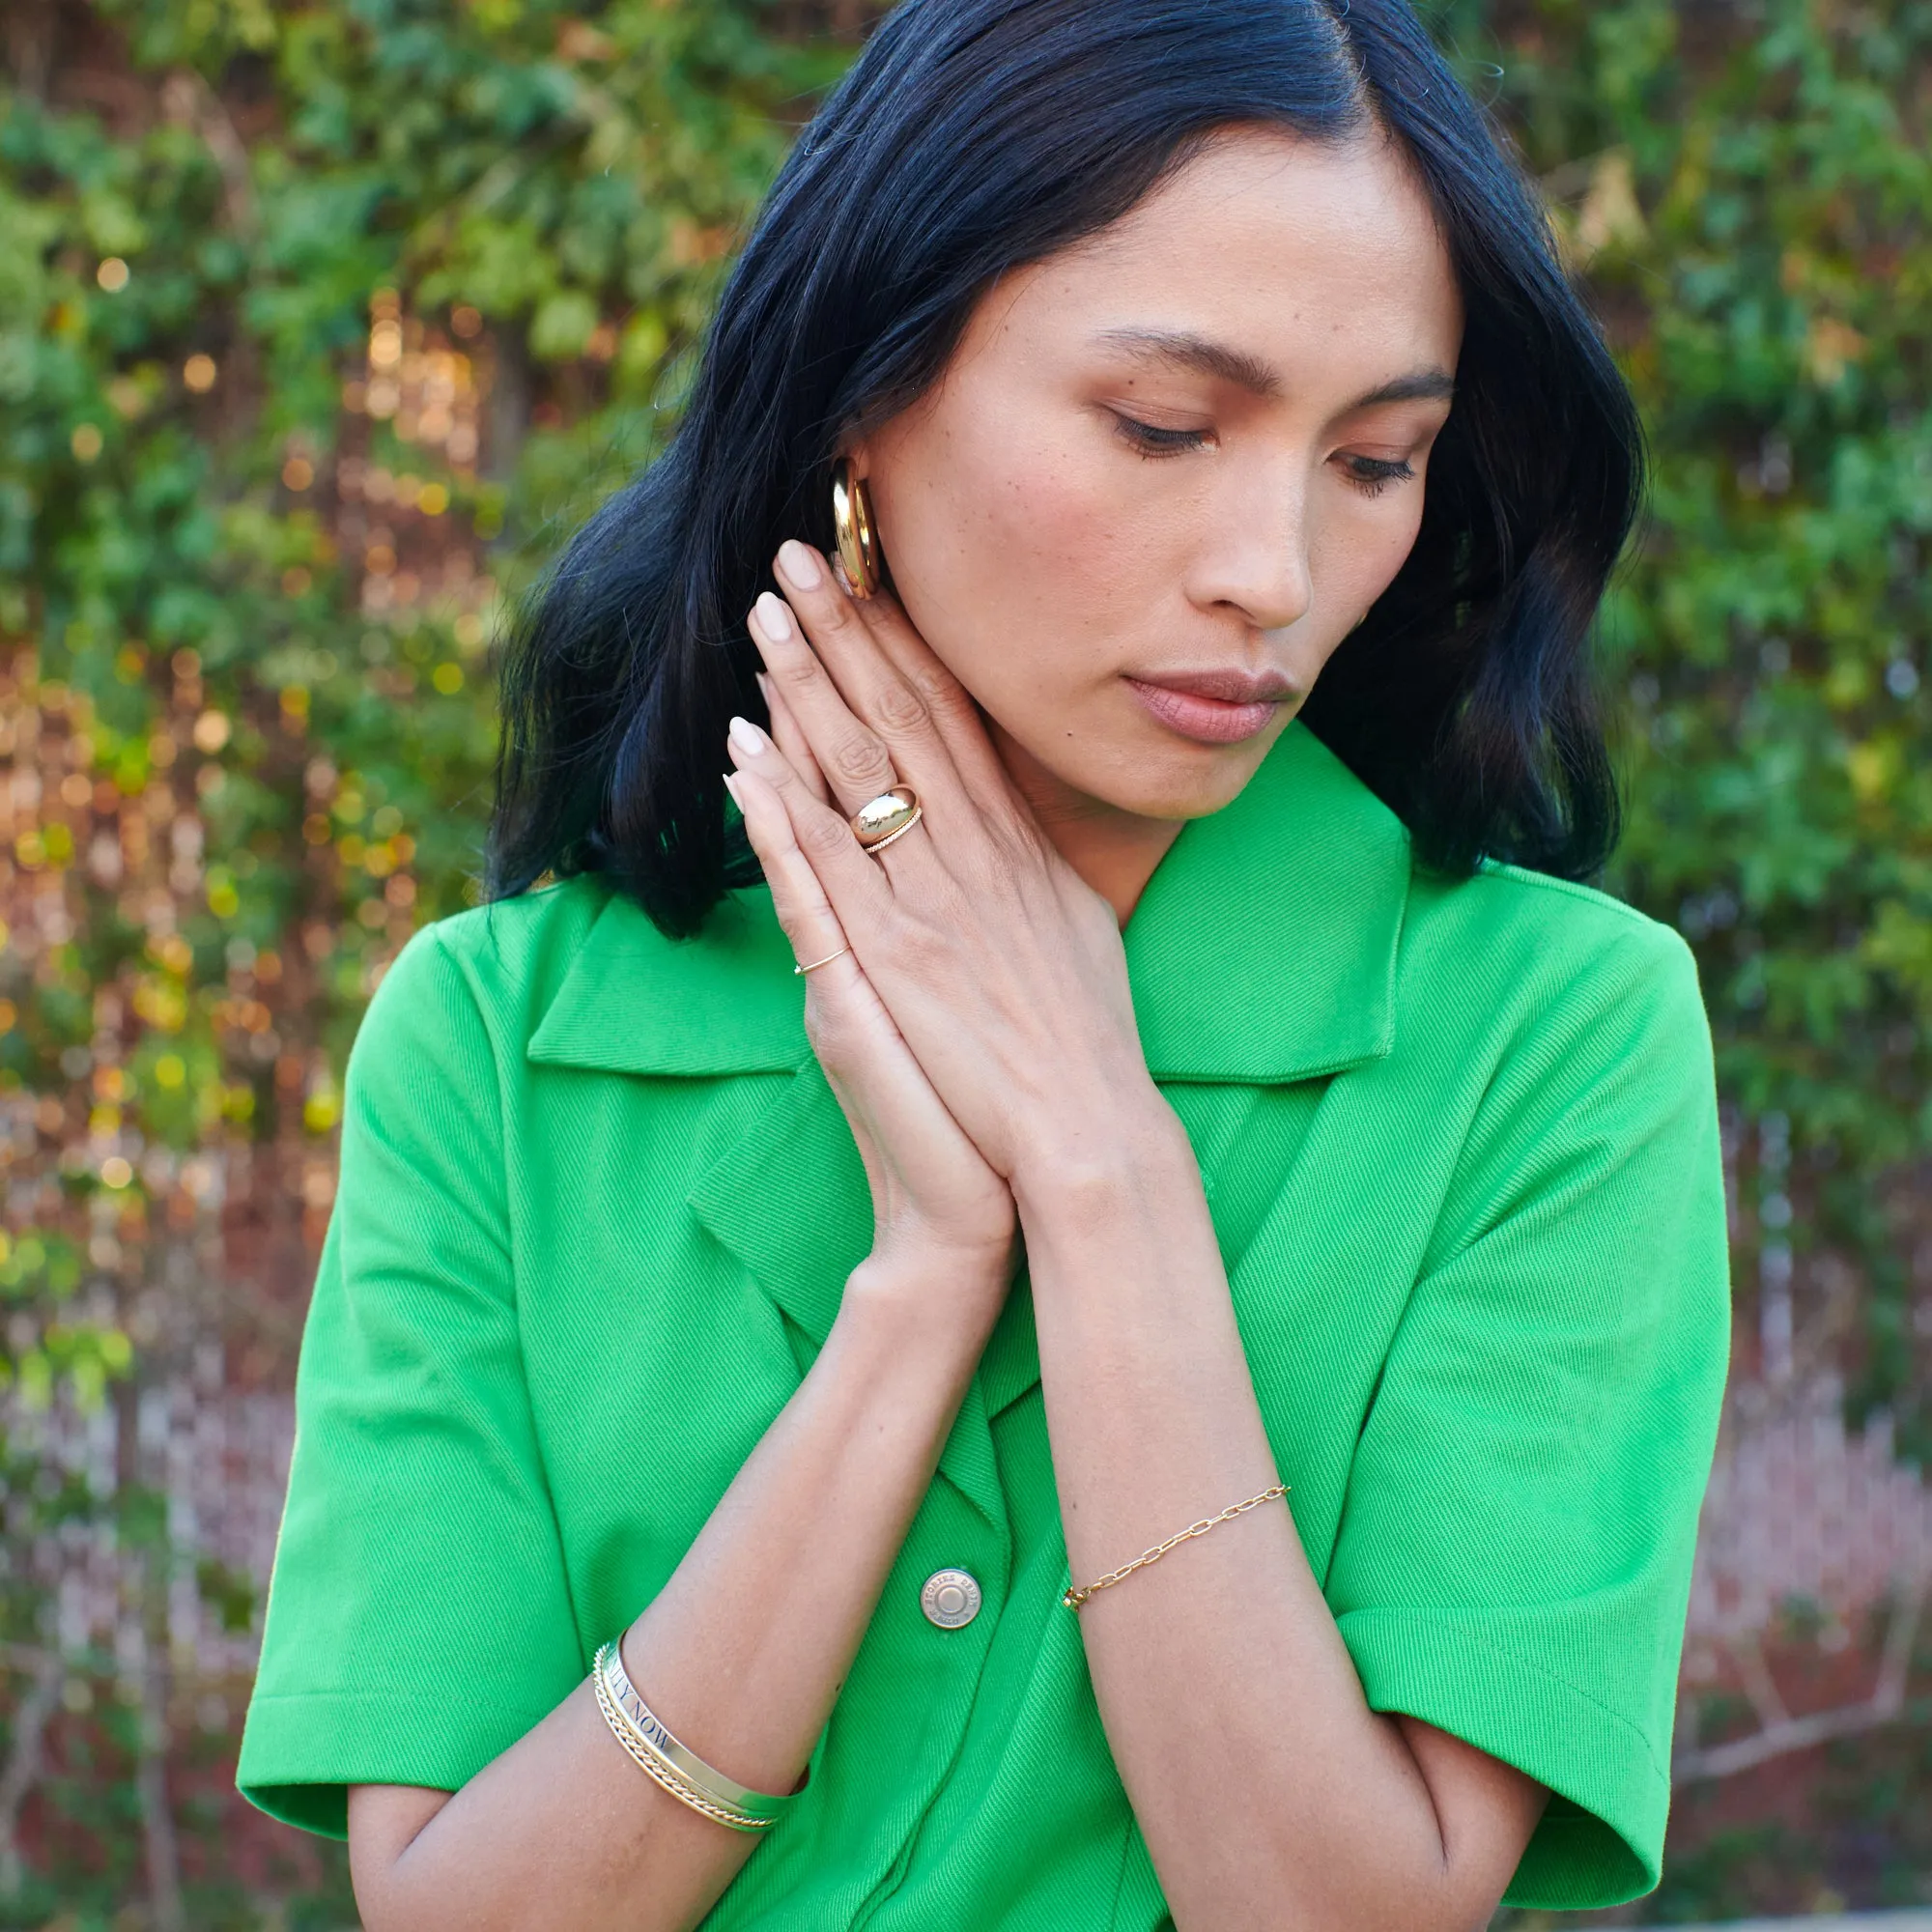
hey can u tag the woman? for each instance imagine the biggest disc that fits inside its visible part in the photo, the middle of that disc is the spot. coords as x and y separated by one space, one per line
1133 1338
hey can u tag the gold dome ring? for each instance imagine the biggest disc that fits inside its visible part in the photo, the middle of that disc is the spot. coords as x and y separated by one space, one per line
888 817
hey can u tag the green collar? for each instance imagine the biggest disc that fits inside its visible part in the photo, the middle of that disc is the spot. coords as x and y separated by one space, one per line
1262 950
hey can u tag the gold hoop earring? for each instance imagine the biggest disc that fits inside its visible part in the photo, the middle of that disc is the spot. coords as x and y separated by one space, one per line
858 537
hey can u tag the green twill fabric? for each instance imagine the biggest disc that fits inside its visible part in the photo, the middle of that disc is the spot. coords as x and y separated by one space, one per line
597 1207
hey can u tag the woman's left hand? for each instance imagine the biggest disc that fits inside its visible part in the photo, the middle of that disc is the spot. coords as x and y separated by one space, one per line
1003 970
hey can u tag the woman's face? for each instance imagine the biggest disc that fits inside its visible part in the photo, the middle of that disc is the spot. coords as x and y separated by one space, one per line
1170 468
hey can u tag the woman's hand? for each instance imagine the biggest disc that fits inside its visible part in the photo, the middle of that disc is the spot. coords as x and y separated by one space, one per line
1001 969
933 1197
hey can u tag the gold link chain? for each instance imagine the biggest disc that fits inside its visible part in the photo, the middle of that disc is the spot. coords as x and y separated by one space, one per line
1074 1598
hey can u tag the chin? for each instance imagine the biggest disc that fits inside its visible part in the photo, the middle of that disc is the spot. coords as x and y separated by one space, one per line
1173 779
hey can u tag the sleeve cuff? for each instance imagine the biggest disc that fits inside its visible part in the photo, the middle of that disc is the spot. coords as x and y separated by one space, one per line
300 1752
1601 1841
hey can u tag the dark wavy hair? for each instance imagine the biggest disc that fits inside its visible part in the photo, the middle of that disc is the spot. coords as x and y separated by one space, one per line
973 136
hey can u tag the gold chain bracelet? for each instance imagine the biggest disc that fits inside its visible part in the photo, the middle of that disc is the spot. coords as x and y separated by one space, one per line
1075 1599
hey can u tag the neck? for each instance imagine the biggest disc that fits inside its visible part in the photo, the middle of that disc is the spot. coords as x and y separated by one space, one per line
1114 851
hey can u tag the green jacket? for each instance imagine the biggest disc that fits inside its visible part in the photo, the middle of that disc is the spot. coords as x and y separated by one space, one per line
597 1206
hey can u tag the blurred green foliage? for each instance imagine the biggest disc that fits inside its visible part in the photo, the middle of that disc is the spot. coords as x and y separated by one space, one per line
320 322
1748 189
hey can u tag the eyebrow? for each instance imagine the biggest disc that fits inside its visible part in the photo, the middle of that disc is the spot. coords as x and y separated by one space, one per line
1182 349
1425 386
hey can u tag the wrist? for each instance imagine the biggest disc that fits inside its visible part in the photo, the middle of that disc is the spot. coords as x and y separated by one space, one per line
911 1255
925 1306
1090 1166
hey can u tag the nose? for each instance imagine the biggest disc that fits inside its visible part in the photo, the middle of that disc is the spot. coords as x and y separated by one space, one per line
1254 552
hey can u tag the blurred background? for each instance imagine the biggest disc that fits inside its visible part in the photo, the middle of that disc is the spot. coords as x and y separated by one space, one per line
321 320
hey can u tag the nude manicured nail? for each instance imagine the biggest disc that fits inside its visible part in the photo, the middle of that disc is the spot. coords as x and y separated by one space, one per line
731 785
746 736
773 619
798 566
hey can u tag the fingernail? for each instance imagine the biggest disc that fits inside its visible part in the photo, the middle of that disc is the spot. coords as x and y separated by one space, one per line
773 619
798 566
746 736
731 785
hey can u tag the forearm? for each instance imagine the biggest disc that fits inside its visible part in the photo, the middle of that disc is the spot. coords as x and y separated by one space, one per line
1267 1790
741 1655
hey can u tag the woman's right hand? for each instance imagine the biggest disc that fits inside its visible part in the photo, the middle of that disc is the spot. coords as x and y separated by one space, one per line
933 1197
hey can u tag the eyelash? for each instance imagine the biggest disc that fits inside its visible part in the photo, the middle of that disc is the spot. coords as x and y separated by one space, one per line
1373 474
1369 474
1146 439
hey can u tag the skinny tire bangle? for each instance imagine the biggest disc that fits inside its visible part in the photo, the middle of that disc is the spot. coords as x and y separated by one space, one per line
662 1775
751 1810
1075 1600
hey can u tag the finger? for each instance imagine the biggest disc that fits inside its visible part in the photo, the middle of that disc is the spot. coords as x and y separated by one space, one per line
904 1135
858 887
842 630
852 757
797 897
955 715
789 737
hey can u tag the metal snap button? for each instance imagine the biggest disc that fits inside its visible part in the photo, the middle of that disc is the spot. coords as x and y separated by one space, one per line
950 1599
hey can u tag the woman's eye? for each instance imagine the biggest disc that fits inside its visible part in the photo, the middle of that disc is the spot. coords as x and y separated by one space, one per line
1148 440
1373 474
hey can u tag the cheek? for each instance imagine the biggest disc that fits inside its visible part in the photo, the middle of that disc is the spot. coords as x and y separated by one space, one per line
1366 547
1010 549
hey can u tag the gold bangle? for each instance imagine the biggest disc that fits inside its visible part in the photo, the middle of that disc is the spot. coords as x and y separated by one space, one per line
700 1784
1075 1599
681 1757
662 1775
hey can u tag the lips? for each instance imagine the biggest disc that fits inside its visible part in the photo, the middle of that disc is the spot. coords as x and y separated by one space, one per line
1214 707
1228 687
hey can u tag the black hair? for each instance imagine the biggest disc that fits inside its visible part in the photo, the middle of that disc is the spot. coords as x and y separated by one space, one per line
971 137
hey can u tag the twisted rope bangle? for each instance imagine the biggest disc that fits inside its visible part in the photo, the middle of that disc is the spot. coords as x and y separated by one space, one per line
662 1775
675 1766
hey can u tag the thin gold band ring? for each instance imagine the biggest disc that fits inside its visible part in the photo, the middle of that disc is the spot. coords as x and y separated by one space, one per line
826 961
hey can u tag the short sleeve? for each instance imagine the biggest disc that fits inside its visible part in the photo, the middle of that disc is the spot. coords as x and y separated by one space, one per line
1513 1563
418 1620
